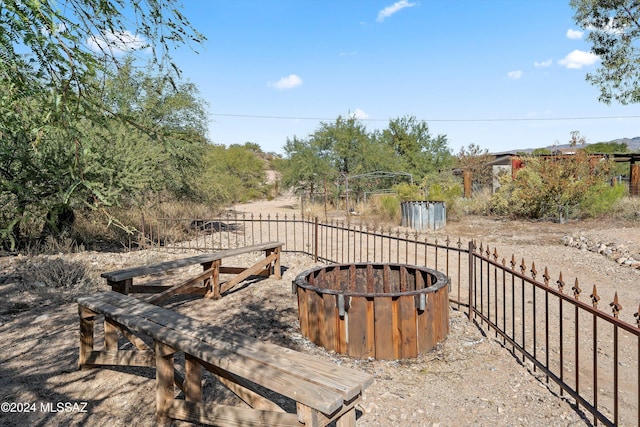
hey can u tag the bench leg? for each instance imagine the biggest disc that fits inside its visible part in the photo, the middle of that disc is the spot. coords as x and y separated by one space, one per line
307 416
110 335
277 272
86 335
348 419
192 379
122 286
213 283
345 417
276 265
164 381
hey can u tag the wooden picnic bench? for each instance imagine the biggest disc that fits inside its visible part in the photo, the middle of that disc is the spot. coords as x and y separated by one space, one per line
322 391
206 283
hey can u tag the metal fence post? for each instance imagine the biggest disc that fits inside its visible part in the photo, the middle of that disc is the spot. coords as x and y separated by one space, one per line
471 276
315 241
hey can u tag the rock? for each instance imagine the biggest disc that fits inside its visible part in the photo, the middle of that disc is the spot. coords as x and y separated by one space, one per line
41 318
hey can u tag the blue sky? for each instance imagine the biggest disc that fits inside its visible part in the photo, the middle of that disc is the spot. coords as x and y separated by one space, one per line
500 74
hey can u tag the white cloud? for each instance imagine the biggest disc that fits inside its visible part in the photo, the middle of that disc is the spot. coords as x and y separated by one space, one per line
574 34
543 64
607 25
359 114
116 43
515 75
578 59
289 82
390 10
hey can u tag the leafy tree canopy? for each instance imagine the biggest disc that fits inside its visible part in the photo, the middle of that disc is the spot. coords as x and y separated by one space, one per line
607 147
346 148
420 152
614 28
473 158
234 174
78 126
63 44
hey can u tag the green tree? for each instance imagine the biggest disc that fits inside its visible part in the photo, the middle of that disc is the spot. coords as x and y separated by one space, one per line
48 44
345 150
419 153
343 143
475 159
47 164
607 147
234 174
56 61
172 118
614 28
306 168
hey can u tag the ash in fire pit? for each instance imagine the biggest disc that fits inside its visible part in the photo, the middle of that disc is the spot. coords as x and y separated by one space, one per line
384 311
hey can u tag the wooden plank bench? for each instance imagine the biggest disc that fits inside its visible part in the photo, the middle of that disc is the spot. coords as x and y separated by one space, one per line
323 392
207 282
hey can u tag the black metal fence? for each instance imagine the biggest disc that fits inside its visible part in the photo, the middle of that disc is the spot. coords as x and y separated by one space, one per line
591 355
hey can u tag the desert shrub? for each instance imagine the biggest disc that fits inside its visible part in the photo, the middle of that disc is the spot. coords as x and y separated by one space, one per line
519 198
53 245
44 273
479 204
627 208
387 208
128 225
446 188
408 192
601 198
552 187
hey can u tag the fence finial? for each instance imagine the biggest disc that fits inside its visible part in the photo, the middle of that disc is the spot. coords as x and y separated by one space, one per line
576 290
533 270
594 297
546 276
616 307
560 283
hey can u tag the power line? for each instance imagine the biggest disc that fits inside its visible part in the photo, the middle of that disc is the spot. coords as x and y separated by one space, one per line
512 119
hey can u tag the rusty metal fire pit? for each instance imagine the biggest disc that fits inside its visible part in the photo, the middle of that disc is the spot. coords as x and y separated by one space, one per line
384 311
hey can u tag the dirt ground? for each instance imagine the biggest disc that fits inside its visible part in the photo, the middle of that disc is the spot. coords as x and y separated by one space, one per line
471 379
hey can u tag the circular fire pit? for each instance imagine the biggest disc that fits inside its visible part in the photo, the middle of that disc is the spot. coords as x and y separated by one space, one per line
384 311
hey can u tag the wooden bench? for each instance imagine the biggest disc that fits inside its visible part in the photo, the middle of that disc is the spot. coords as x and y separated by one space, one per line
323 392
206 283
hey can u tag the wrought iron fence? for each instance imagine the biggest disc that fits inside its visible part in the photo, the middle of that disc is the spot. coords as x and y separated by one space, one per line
593 356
